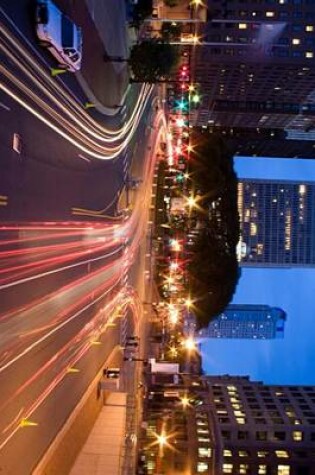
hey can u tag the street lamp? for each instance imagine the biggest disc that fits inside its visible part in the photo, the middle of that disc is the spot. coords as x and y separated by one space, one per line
188 302
189 344
185 401
191 201
161 439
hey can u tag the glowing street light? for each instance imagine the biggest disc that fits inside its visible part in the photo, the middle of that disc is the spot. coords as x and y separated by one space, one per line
189 344
170 280
173 351
195 98
185 401
180 122
174 265
188 302
191 201
175 244
161 439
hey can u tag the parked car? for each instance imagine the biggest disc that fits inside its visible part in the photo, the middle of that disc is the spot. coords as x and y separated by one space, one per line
112 373
60 35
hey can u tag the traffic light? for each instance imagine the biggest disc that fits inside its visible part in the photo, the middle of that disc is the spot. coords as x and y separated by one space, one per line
179 177
184 73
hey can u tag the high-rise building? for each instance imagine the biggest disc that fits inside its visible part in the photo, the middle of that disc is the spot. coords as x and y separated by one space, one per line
247 321
217 425
256 66
277 221
259 429
264 142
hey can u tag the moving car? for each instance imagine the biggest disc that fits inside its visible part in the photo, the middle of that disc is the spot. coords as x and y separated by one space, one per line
60 35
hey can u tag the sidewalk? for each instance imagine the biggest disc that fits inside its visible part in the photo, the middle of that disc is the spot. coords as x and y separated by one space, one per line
102 451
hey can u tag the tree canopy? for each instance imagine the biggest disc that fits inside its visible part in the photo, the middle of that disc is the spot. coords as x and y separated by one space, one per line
213 269
152 60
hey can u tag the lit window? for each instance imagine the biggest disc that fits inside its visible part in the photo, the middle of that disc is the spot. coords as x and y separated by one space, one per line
234 399
262 453
239 413
242 453
227 453
241 420
202 467
297 435
282 454
283 470
253 229
270 14
202 431
262 469
204 452
243 468
242 26
296 41
309 28
227 468
151 464
201 423
309 54
221 411
203 439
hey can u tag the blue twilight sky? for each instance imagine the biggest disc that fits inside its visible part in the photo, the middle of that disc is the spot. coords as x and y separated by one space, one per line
290 360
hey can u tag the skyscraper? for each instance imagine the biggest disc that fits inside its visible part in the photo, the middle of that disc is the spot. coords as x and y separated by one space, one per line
277 223
256 67
247 321
260 429
219 425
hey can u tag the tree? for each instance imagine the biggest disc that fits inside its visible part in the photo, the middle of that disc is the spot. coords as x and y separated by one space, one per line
213 270
152 60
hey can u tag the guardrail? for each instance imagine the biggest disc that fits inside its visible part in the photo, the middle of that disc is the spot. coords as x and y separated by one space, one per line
128 456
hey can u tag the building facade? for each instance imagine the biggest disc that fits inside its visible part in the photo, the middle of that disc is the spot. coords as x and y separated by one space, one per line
256 65
260 429
277 223
247 321
217 425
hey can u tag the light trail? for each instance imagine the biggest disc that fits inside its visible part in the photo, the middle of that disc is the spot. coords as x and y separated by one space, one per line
77 353
33 327
66 321
64 96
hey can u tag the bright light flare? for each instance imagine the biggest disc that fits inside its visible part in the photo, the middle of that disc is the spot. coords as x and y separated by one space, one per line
161 439
175 245
180 122
189 344
185 401
191 201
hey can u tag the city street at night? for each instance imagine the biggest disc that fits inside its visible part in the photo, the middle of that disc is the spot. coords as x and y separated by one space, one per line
157 237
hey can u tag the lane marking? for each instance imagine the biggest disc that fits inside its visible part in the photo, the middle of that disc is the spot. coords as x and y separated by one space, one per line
84 158
7 108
